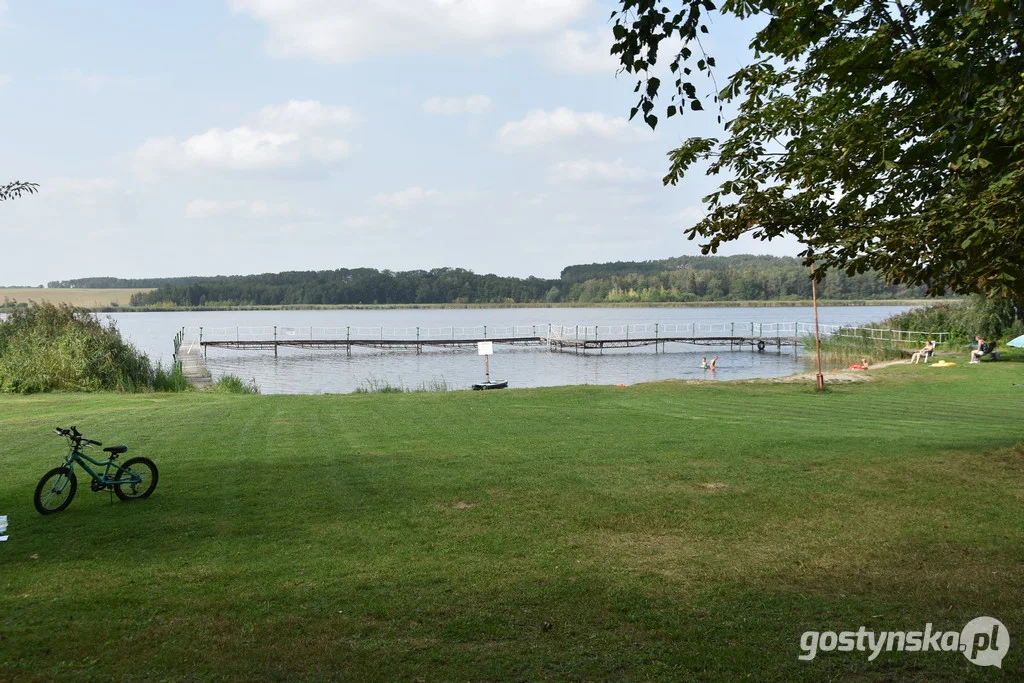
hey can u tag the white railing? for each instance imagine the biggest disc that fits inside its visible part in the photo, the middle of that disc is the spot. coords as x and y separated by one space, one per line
285 334
746 330
674 330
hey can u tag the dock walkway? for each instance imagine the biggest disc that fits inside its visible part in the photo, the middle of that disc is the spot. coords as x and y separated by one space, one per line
189 355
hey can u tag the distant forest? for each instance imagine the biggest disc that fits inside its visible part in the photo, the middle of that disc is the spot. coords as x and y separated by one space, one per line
680 279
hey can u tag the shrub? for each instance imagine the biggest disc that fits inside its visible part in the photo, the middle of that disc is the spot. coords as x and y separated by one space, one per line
44 347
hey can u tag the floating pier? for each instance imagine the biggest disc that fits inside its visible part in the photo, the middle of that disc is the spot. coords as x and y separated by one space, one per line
576 338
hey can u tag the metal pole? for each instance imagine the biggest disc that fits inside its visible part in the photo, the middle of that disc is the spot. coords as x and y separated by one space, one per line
275 341
819 378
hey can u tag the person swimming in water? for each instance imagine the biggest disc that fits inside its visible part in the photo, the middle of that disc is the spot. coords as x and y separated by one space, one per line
703 363
713 361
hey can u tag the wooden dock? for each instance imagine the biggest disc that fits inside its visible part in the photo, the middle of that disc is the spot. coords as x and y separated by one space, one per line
757 337
188 354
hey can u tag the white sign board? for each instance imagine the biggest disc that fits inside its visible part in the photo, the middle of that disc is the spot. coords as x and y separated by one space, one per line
485 348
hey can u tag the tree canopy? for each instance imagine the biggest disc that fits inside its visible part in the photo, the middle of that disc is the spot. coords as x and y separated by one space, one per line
885 135
16 189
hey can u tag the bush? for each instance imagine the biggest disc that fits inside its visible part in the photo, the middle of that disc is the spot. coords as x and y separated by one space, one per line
44 347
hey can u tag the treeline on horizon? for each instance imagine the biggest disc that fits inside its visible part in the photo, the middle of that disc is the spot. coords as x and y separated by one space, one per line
679 279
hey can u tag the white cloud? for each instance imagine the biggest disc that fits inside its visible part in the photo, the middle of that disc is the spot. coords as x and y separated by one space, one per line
585 170
578 52
5 79
281 137
407 198
352 30
450 106
303 115
541 127
242 208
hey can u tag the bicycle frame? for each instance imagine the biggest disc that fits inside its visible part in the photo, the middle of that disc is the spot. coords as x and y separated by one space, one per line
83 460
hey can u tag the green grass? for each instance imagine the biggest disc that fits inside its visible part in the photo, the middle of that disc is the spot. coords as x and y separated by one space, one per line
666 531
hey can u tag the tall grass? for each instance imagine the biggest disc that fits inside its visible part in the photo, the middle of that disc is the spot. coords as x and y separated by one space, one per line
231 384
44 347
842 350
170 380
374 385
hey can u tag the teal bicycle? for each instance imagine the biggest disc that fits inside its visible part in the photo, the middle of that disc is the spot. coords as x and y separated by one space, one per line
133 479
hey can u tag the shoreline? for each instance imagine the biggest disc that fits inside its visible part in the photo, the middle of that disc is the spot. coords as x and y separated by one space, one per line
801 303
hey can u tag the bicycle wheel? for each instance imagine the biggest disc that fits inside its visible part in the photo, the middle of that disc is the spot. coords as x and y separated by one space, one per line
144 468
55 490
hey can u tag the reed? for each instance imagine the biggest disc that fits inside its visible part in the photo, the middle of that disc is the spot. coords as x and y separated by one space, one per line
232 384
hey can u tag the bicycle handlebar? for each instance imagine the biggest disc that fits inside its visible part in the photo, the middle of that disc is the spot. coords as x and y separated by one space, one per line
75 436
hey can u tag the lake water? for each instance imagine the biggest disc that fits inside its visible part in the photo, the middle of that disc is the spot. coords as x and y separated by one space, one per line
299 371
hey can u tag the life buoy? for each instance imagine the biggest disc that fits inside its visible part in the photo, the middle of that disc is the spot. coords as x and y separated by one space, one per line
760 344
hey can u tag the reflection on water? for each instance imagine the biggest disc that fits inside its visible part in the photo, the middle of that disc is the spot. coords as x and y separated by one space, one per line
333 371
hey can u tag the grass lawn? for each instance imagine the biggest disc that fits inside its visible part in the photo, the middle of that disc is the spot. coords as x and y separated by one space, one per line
665 531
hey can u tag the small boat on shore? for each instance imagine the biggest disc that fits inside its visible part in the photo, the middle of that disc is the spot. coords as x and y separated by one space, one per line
497 384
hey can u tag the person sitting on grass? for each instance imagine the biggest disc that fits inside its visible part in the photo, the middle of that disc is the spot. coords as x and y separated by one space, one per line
978 352
924 353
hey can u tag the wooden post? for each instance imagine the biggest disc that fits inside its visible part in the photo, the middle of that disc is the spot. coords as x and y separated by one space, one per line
348 341
819 378
275 341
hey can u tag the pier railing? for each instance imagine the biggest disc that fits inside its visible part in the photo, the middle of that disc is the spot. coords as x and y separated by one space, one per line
745 332
282 333
674 330
748 330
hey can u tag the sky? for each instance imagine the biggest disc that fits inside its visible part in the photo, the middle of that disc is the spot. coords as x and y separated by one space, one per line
221 137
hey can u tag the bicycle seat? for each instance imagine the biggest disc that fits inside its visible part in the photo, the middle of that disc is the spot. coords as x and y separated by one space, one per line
116 450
